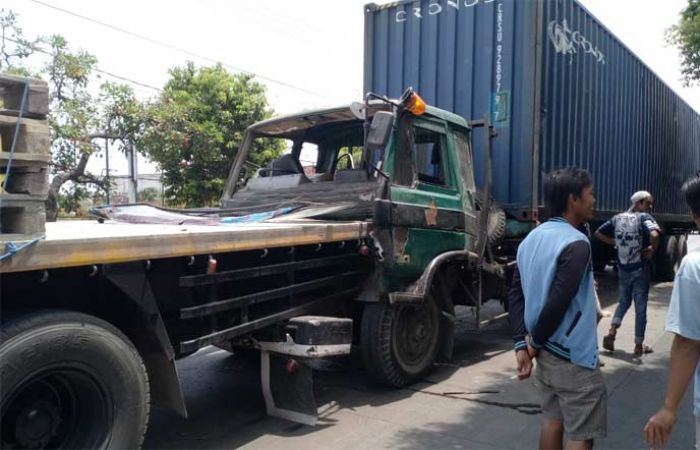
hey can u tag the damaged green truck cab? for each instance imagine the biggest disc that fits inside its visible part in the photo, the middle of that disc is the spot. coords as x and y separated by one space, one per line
430 207
415 190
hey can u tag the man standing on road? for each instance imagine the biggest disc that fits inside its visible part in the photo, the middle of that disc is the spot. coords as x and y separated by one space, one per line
684 321
553 315
635 233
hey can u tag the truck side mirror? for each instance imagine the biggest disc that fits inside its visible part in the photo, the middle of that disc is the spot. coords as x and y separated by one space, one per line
380 130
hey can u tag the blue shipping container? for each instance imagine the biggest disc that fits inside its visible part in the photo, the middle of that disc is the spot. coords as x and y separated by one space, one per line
561 89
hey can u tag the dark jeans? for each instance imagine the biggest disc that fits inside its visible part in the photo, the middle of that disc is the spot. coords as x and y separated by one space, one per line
634 285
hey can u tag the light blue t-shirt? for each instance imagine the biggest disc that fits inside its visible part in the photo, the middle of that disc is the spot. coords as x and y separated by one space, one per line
684 311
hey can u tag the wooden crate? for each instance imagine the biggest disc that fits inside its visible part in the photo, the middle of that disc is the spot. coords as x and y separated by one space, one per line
21 215
11 90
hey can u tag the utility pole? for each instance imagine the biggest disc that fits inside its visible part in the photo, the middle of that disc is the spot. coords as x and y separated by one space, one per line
133 173
107 167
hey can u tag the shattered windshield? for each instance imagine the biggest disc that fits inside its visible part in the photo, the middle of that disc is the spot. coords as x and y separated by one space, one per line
327 152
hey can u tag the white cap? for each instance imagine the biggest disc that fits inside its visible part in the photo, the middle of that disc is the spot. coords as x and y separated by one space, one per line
639 196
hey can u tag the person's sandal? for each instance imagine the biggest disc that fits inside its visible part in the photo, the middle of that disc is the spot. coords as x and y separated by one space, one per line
640 350
609 342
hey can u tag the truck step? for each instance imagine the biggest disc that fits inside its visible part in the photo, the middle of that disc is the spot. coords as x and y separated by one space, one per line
11 91
21 214
320 330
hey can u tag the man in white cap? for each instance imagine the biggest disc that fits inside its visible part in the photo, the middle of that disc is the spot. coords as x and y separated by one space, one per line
635 233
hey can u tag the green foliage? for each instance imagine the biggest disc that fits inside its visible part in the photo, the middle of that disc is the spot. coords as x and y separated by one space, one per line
99 198
122 115
344 161
14 47
73 109
686 36
148 195
70 197
194 130
76 115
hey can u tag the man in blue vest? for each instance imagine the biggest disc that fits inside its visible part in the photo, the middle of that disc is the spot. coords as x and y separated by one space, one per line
553 315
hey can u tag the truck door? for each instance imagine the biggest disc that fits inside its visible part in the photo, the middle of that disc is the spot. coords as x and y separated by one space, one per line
427 210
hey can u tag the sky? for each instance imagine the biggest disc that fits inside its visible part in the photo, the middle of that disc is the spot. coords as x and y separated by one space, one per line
309 53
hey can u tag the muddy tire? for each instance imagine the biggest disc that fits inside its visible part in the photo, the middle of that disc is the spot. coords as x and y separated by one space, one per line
400 342
70 380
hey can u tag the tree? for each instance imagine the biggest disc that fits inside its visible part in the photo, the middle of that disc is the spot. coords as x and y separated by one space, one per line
14 47
76 116
686 36
195 128
148 195
69 200
73 118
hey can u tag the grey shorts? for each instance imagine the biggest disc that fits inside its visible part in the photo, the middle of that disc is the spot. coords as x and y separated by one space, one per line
574 395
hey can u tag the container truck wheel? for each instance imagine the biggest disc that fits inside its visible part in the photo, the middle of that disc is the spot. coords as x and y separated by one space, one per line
602 255
681 250
665 258
400 342
496 228
70 380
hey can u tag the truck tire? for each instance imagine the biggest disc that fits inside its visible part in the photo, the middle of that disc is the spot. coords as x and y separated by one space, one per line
497 220
400 342
681 250
602 255
496 228
665 258
70 380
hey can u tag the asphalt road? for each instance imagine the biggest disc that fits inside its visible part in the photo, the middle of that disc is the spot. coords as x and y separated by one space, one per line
469 403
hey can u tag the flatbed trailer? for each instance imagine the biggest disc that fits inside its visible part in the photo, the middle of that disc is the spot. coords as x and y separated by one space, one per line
94 315
115 304
86 243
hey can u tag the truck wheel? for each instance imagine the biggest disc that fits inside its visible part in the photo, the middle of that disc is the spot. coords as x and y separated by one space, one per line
665 258
602 255
70 380
400 342
496 228
681 250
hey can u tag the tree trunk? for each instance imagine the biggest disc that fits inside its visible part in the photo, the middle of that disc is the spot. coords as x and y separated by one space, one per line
52 199
76 175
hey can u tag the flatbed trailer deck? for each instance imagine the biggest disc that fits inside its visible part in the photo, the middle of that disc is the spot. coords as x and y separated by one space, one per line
81 243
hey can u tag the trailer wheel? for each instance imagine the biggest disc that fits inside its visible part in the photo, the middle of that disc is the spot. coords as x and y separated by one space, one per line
70 380
602 255
400 342
665 258
681 251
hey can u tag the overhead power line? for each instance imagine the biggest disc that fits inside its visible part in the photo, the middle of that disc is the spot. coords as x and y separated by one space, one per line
96 69
175 48
129 80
